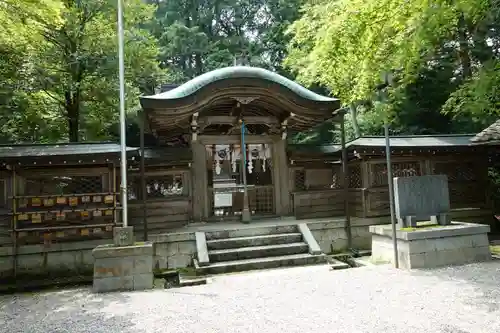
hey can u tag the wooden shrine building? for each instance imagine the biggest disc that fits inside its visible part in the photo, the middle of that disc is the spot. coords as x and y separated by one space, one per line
236 122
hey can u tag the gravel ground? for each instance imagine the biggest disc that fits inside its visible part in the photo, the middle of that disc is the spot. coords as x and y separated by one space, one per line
306 299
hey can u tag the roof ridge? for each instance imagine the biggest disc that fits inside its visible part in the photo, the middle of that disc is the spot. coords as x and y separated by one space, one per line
413 136
231 72
57 144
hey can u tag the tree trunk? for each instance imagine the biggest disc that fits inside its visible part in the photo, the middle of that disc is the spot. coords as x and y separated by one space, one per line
198 64
481 51
73 115
463 51
354 116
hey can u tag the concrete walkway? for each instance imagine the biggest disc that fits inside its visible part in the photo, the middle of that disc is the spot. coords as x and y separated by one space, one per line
307 299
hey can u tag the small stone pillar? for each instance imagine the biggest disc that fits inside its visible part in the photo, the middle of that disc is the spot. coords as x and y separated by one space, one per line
124 265
123 236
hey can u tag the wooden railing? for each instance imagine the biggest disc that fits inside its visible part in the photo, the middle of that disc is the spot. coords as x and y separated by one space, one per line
168 200
357 202
319 203
260 201
162 214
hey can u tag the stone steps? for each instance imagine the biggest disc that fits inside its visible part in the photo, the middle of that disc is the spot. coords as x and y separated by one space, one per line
238 242
252 247
260 263
252 252
251 231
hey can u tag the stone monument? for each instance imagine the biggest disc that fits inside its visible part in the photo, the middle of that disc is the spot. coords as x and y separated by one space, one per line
124 265
421 198
439 241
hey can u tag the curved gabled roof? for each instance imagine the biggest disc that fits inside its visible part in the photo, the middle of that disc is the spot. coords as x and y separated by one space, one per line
238 72
218 92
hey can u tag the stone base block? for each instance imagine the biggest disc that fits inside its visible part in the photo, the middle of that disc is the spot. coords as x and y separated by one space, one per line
123 268
455 244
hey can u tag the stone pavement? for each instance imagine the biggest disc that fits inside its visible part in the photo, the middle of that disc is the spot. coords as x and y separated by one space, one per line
305 299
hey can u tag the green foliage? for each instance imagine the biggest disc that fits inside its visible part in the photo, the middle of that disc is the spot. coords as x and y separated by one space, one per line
345 45
22 20
58 60
199 36
59 57
24 112
439 51
478 98
64 84
495 249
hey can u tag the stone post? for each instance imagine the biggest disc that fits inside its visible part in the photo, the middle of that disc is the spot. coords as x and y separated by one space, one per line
123 236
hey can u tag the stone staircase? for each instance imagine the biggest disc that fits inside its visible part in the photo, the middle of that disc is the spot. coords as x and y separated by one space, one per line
254 248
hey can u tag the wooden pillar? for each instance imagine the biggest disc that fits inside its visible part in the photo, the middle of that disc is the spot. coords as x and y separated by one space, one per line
345 174
200 182
365 174
143 178
281 177
426 167
245 213
14 222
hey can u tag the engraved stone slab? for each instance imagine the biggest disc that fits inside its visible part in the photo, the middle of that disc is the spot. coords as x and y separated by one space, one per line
421 197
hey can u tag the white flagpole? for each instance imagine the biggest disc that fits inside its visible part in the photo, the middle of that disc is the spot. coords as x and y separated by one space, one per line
123 167
390 183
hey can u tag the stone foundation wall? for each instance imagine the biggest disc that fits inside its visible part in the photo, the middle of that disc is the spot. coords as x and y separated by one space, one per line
75 258
170 250
63 259
332 236
174 250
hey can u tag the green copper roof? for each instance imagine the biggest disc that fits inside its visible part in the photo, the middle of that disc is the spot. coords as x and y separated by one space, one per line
238 72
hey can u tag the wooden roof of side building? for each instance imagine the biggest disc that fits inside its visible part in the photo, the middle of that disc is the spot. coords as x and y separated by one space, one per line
87 152
409 141
67 151
416 144
490 135
376 144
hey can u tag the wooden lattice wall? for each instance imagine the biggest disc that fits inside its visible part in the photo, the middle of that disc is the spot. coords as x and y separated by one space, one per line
467 179
316 190
168 199
57 204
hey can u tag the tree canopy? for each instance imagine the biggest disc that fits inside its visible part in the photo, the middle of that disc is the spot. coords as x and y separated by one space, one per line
429 66
63 75
199 36
438 51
